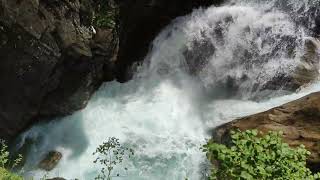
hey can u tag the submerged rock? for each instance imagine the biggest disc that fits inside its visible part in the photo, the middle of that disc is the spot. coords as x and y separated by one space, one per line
50 161
299 121
50 61
304 73
259 85
248 59
308 69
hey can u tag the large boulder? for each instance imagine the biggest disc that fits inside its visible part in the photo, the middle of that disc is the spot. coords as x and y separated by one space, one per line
299 121
50 61
140 22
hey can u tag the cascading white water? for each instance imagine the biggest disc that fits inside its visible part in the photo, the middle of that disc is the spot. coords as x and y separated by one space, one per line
167 111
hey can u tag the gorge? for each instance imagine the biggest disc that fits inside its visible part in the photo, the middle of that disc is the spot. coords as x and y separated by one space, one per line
210 67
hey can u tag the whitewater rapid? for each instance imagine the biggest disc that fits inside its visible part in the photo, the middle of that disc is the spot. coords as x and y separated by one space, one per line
166 113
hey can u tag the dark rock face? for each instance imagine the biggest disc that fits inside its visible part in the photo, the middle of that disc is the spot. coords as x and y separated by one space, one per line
298 120
141 21
51 61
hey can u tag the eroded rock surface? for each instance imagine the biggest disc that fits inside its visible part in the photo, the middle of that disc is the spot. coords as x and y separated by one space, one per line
50 61
298 120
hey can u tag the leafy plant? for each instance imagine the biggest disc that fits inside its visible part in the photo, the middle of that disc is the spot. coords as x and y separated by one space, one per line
105 14
111 154
4 154
253 157
4 157
6 175
5 163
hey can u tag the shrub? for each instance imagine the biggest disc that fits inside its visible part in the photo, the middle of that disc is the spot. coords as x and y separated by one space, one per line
106 13
111 154
6 175
253 157
5 163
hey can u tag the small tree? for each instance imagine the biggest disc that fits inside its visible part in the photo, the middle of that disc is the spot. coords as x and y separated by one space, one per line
111 154
6 163
253 157
5 156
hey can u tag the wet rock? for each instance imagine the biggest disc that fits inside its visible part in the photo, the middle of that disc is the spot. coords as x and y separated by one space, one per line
308 69
305 72
141 21
198 55
201 55
50 161
299 121
50 62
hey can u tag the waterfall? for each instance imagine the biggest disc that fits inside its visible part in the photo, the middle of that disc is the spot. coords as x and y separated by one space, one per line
203 70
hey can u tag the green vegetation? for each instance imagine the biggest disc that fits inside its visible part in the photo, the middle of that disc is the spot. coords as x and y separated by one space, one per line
111 154
6 164
253 157
105 15
6 175
250 157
